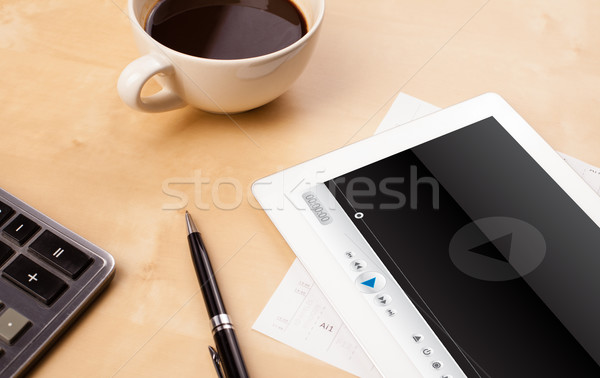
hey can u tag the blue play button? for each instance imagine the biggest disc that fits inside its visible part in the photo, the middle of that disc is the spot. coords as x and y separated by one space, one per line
370 283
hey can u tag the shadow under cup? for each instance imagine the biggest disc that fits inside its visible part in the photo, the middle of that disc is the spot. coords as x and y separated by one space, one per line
213 85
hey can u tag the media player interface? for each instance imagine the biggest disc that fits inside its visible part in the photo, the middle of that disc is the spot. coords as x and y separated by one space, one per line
498 259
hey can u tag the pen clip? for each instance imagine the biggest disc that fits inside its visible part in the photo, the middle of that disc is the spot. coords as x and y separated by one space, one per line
216 361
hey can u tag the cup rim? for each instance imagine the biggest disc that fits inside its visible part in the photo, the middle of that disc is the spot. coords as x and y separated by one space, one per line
274 55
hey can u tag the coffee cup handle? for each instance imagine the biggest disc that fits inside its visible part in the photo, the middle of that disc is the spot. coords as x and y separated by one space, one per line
134 77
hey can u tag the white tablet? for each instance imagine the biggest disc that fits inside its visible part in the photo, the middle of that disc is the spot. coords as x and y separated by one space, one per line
459 244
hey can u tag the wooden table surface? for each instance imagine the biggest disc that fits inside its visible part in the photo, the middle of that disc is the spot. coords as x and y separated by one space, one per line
123 179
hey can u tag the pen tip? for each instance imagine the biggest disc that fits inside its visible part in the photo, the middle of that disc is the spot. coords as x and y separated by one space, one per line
190 223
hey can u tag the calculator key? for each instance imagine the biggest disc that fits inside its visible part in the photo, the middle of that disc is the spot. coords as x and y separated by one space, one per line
5 212
61 254
21 229
34 279
5 253
12 325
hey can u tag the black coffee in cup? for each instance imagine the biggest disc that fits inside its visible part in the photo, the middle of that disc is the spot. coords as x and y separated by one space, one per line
226 29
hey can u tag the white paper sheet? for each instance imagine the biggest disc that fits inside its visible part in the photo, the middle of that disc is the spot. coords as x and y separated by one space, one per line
299 315
589 173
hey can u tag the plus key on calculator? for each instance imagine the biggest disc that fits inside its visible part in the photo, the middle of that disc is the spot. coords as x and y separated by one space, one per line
48 276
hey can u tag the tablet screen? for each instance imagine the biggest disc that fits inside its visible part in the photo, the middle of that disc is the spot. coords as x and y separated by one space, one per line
498 259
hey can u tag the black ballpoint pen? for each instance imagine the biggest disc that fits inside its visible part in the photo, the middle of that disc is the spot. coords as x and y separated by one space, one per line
228 355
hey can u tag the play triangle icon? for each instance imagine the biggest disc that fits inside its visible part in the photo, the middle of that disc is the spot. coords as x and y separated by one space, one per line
498 249
370 283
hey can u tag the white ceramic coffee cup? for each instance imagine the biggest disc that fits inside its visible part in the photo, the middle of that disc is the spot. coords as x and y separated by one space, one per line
213 85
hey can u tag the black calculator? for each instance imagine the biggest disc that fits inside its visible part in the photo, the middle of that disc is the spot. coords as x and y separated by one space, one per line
48 276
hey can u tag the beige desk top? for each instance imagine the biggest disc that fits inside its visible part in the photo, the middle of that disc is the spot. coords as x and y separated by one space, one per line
72 149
